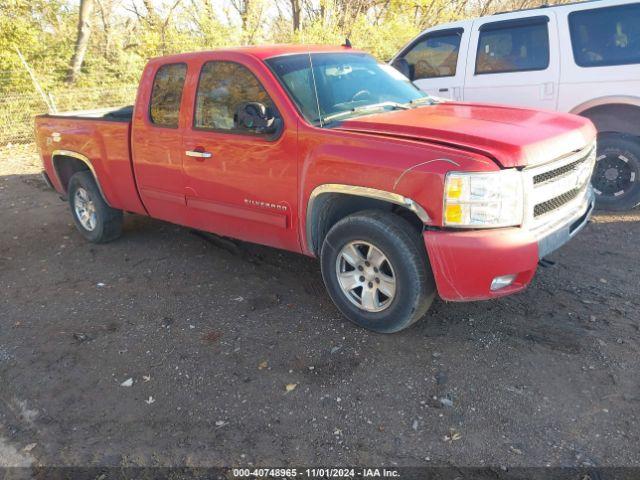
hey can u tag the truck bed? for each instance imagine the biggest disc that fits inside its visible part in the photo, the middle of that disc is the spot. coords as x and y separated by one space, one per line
99 139
115 114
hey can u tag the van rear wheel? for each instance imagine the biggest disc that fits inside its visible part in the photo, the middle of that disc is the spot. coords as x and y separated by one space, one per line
375 268
616 177
94 219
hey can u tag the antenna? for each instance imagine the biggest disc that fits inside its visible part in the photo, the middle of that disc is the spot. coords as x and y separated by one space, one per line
313 77
315 87
347 43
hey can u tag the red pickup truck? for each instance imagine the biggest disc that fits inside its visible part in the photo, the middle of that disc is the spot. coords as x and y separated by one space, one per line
326 152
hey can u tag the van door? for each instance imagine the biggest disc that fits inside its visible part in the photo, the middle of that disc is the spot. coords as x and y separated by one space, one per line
514 60
436 62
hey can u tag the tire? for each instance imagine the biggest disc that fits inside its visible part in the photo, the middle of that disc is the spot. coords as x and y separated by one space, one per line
100 223
406 263
616 177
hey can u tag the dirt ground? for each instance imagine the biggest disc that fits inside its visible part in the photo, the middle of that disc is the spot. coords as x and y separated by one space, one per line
238 357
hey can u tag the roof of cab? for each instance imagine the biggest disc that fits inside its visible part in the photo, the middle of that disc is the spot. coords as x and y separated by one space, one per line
261 52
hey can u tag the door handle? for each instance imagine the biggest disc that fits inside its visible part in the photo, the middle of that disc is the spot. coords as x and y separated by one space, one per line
198 154
443 89
547 91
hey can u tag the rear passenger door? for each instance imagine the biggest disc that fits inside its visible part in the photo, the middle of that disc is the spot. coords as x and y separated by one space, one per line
156 142
514 60
436 62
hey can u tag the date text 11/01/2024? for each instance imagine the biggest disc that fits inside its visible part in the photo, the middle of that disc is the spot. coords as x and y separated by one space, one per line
316 472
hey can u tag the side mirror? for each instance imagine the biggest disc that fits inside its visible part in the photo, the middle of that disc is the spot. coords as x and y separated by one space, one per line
402 66
255 117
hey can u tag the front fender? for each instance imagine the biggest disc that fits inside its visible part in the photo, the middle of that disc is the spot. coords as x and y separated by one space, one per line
400 171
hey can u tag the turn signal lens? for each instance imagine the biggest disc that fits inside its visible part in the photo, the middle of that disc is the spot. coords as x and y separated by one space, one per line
455 187
453 214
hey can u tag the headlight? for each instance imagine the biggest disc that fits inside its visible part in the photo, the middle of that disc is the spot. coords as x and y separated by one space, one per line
483 200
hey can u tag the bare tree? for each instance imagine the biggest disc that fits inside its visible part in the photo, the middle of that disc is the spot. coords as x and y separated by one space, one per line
106 10
157 20
296 14
82 40
242 7
251 13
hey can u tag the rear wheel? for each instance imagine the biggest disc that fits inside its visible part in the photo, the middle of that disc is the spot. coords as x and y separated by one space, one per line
616 177
376 271
94 219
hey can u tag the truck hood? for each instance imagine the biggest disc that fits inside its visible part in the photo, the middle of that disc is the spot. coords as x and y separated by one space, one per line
513 137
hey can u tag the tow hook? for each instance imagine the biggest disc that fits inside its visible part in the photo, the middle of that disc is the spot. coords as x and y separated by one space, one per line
546 263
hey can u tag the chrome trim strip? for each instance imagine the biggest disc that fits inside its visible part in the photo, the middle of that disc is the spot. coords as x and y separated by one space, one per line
47 180
77 156
383 195
559 162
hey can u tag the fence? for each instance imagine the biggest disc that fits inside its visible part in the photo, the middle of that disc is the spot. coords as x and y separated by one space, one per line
17 110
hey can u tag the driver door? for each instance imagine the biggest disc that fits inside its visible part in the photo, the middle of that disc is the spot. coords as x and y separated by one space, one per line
436 63
239 182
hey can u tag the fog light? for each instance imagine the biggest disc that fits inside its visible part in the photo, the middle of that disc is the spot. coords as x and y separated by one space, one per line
502 281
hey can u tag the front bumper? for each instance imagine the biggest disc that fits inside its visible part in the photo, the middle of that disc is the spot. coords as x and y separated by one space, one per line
464 263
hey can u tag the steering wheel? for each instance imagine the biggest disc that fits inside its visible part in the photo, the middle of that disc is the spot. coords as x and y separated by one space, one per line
424 69
361 95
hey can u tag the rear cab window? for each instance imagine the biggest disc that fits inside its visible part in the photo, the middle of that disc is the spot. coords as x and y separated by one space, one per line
518 45
166 95
434 55
606 36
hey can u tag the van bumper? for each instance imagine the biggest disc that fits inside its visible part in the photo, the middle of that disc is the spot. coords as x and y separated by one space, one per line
465 263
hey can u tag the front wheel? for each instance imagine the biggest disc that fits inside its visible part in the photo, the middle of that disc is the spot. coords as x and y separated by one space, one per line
94 219
616 177
376 271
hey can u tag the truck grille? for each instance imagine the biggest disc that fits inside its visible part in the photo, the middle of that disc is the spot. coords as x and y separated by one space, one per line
558 172
554 203
554 186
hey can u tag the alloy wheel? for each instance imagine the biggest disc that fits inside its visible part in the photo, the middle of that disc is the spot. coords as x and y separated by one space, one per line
366 276
85 209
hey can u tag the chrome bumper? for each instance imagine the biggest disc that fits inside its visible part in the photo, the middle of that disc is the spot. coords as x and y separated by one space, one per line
564 230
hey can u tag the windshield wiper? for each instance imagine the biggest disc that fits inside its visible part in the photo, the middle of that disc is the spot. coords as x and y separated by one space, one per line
420 101
366 108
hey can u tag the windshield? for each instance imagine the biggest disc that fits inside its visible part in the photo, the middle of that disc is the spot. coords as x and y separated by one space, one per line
348 84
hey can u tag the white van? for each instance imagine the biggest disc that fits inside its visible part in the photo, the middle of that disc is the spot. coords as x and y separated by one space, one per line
582 58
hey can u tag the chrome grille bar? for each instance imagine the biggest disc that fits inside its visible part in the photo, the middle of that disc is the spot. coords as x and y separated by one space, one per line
555 188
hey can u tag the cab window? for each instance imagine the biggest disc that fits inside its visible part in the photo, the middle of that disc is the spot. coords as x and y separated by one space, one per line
513 46
606 36
166 95
223 88
435 55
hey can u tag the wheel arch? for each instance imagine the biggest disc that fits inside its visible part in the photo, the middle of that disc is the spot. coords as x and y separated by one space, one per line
329 203
67 162
612 114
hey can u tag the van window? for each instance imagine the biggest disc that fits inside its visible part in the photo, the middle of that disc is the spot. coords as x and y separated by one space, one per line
606 36
435 55
223 87
166 95
513 46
